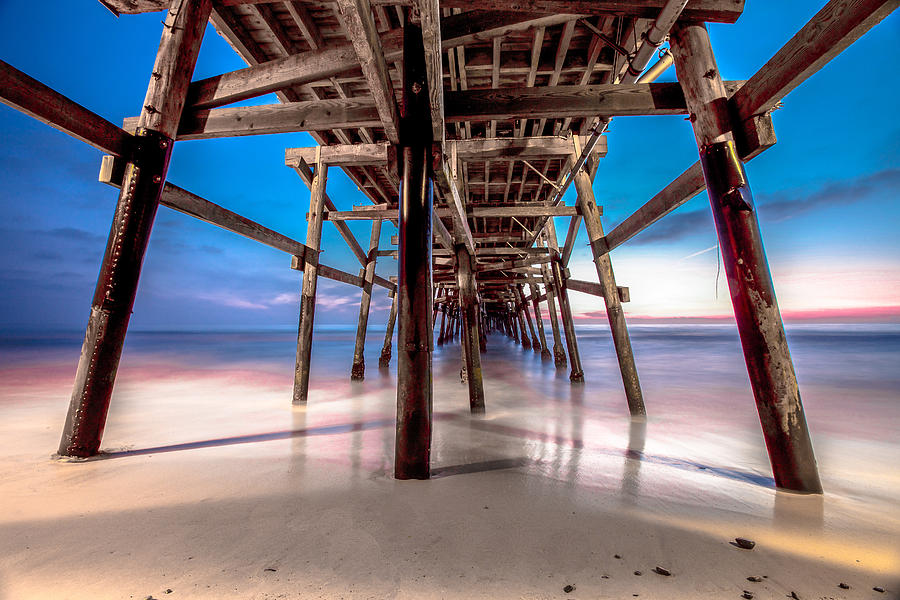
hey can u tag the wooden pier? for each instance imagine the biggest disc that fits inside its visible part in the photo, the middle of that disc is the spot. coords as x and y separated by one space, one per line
464 128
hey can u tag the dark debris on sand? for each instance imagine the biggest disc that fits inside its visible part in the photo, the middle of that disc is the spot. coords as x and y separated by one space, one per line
744 543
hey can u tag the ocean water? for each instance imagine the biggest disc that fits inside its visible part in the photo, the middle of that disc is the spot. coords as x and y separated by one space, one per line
696 389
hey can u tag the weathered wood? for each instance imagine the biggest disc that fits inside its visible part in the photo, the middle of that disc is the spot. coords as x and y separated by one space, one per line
360 26
273 75
129 234
165 99
310 281
358 370
343 155
754 135
341 59
559 353
828 33
384 360
546 147
477 149
535 343
306 174
614 312
469 105
571 234
319 115
535 299
756 310
387 214
442 234
502 252
450 189
470 339
430 14
724 11
568 101
721 11
576 372
30 96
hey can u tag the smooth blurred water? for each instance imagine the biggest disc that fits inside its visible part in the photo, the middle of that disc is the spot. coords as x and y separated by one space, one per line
849 374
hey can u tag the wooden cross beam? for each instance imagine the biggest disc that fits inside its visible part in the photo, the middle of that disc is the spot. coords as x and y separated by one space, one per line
476 149
367 213
468 105
306 174
721 11
360 26
30 96
341 59
554 102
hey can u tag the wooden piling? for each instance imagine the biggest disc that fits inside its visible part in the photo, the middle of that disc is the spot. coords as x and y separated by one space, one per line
358 370
535 343
524 340
385 358
559 353
443 310
616 316
576 374
761 329
414 388
310 282
145 175
539 319
470 342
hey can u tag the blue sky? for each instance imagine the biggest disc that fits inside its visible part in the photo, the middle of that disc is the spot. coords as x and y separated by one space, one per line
826 192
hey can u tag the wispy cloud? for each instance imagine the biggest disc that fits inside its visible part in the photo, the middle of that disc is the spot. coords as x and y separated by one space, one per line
784 205
779 206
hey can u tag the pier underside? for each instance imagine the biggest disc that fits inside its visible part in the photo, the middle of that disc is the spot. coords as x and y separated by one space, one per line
465 129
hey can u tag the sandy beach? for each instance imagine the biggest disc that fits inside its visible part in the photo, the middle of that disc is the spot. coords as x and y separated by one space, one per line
213 486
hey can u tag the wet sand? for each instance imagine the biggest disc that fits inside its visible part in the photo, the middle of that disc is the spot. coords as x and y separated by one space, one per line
213 486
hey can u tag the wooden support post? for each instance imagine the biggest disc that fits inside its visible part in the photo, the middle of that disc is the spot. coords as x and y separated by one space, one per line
614 312
576 374
441 334
535 343
385 360
470 339
414 388
752 290
519 308
539 319
482 335
514 321
358 371
310 281
145 175
435 307
559 353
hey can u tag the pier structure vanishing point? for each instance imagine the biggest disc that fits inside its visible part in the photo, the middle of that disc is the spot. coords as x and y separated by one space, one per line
464 128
